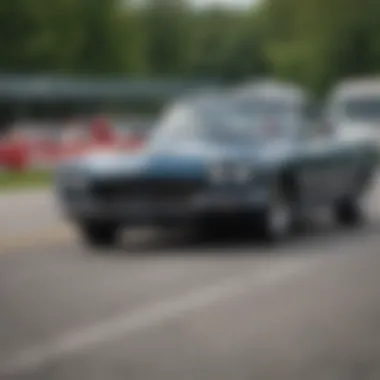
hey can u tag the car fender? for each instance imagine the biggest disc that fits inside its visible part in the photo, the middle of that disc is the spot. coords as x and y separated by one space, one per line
281 171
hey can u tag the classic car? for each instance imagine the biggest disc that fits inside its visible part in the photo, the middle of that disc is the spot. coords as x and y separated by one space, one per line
211 158
354 107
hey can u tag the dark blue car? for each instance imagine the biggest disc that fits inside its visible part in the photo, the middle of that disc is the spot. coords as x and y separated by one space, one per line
212 158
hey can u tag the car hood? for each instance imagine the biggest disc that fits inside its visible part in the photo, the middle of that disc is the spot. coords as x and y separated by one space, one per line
179 161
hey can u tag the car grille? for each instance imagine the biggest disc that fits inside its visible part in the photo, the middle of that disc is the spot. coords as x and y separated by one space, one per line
152 190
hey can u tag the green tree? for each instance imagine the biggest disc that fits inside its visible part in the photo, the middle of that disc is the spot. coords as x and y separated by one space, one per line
165 33
88 36
319 41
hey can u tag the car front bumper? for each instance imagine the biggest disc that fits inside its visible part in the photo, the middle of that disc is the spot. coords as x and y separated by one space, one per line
145 212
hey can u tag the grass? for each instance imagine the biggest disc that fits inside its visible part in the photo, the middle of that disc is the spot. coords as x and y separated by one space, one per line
24 180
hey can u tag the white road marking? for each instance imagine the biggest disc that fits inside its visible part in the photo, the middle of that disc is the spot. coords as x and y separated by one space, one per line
128 323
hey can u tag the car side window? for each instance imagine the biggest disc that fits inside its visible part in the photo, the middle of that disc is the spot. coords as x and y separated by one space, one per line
310 112
313 125
322 129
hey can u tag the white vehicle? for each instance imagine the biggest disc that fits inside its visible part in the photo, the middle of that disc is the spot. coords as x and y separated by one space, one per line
354 108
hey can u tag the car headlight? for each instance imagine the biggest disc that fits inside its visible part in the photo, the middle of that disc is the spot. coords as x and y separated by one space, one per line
72 180
236 173
243 173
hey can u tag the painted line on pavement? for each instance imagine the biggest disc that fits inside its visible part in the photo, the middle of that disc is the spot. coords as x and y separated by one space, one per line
153 316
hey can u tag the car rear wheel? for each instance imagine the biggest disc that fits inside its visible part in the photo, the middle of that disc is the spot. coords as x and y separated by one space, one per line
349 212
99 235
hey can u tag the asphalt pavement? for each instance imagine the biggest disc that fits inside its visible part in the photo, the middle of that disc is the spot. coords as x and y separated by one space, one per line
173 308
23 213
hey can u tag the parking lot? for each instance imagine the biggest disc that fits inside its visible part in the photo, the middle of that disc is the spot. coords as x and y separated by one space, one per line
170 307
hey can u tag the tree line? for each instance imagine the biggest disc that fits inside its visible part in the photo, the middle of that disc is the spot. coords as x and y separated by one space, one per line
311 42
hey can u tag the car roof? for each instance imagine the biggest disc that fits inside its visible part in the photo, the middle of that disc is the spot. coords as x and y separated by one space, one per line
357 87
201 100
271 89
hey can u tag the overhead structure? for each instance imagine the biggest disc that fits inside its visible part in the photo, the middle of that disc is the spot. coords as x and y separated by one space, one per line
24 94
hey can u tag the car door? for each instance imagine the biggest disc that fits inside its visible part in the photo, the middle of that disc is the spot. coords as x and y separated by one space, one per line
322 164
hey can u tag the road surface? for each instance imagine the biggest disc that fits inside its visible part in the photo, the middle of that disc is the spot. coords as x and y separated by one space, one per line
174 309
24 212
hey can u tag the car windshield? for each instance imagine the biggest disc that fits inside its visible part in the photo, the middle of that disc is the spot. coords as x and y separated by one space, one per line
279 110
274 118
267 106
220 123
363 109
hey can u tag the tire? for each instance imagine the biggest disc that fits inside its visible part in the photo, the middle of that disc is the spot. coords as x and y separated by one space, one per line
210 229
349 212
277 221
221 228
99 235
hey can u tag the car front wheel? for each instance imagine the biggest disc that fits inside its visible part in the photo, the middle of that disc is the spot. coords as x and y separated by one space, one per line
99 235
276 222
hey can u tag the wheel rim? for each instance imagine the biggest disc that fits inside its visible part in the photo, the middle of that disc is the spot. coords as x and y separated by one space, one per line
279 218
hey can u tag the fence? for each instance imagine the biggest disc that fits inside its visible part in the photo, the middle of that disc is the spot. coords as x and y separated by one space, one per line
31 146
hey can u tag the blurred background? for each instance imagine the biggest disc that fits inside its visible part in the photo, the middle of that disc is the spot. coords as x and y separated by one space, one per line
65 63
84 75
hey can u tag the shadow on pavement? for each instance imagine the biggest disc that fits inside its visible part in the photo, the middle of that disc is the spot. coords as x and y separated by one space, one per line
240 243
